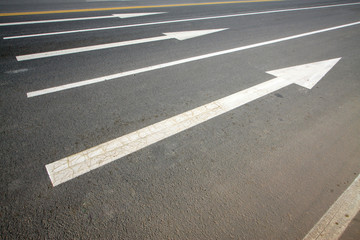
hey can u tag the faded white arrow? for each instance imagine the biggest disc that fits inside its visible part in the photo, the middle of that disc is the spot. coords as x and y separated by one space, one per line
120 15
73 166
170 35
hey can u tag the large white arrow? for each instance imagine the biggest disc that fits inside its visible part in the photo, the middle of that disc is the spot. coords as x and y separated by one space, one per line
121 15
73 166
170 35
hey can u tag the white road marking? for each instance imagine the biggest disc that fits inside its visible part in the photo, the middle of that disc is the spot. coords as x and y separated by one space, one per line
172 35
173 63
181 20
17 71
73 166
338 217
122 15
108 0
131 15
56 20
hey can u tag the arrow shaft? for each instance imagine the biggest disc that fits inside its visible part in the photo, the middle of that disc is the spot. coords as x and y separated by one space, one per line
120 15
70 167
89 48
250 94
55 20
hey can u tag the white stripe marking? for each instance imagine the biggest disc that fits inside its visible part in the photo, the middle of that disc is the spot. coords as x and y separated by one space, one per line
176 21
169 64
131 15
124 15
173 35
89 48
17 71
108 0
55 20
73 166
338 217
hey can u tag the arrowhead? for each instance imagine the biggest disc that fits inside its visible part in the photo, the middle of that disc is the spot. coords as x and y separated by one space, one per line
130 15
306 75
192 34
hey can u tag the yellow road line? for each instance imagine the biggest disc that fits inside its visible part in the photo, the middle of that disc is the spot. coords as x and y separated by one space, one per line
130 7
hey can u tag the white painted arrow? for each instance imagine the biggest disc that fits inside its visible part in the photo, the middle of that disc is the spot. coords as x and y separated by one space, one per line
73 166
120 15
170 35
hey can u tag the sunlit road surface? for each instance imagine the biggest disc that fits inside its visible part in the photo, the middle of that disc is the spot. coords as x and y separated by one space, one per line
179 120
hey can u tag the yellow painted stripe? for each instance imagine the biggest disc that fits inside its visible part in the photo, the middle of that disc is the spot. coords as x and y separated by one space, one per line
130 7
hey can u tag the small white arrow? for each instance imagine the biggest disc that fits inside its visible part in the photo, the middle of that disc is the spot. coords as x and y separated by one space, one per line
120 15
170 35
73 166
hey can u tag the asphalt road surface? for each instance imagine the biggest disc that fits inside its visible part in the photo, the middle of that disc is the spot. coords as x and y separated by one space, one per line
268 168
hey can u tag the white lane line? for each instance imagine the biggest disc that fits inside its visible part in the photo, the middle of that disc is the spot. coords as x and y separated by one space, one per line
122 15
169 64
180 20
108 0
131 15
338 217
172 35
73 166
